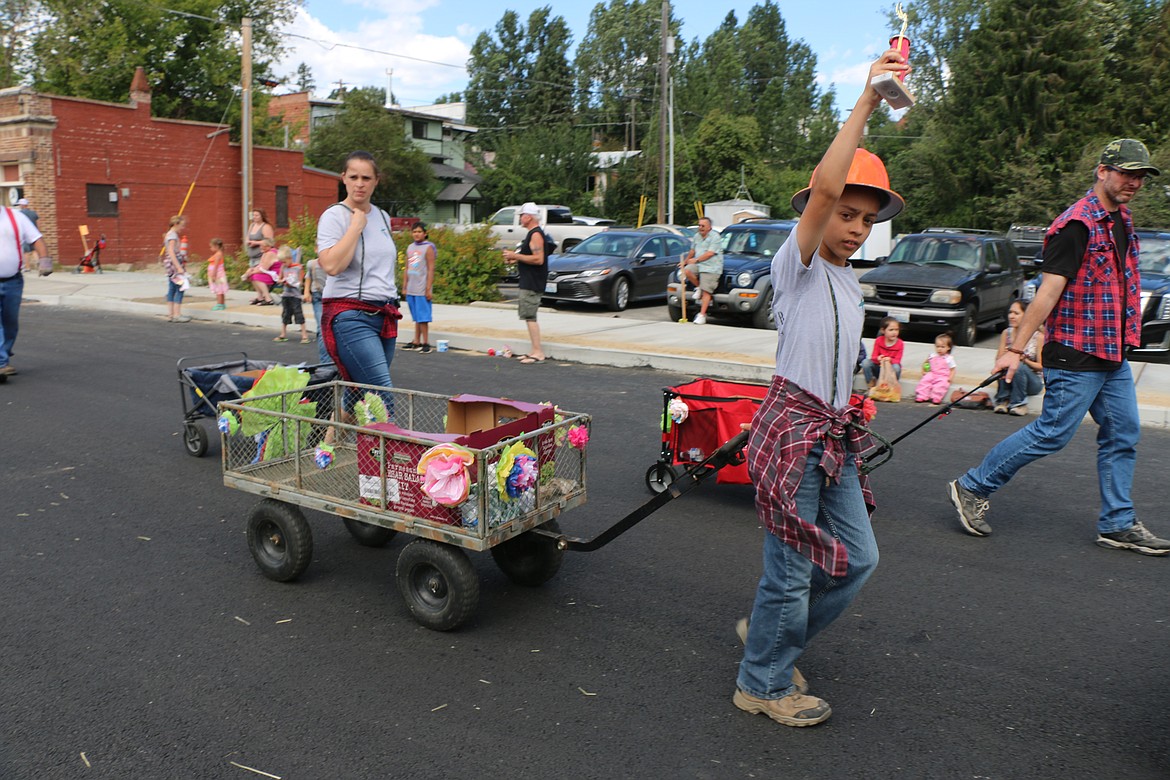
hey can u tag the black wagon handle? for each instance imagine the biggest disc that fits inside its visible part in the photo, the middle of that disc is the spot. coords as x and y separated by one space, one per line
887 447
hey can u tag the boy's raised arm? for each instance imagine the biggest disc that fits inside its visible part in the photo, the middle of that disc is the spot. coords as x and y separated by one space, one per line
829 180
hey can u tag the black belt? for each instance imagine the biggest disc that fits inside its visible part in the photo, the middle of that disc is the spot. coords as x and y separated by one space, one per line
10 278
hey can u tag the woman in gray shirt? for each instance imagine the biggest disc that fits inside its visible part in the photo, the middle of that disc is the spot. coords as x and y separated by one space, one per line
359 309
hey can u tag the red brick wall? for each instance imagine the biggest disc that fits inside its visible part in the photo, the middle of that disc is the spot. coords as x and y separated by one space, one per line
154 162
293 110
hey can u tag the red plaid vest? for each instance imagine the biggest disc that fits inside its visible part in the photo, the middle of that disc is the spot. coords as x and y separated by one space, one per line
1088 316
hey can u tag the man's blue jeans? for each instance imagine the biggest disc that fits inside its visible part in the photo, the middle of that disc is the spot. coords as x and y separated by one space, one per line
795 599
363 351
1110 398
10 295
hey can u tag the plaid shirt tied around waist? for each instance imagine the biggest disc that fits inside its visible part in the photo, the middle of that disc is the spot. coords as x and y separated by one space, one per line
1088 316
789 423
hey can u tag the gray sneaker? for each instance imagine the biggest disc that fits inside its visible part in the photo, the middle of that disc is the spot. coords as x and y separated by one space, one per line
971 508
1137 538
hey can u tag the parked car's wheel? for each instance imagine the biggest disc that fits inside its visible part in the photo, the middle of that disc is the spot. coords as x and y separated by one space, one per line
763 317
968 328
674 313
619 294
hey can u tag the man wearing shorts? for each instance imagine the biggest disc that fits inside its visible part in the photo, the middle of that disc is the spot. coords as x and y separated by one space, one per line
533 270
706 257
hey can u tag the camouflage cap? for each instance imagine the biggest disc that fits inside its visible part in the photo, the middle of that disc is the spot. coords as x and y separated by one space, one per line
1128 154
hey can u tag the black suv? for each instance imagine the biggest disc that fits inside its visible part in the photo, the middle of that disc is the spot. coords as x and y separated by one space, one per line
745 289
945 279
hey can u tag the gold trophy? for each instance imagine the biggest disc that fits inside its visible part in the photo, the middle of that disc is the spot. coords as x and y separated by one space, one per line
889 85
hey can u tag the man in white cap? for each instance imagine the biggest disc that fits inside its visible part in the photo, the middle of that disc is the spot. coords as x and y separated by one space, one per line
1090 300
533 270
16 231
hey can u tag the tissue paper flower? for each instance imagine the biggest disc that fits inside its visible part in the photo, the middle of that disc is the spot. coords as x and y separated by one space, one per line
516 471
678 410
578 436
446 479
323 456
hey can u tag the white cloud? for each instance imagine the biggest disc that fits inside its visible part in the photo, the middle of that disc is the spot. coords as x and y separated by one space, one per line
393 31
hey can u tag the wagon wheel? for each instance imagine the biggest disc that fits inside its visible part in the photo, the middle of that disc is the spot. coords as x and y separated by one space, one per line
280 540
438 583
530 559
368 534
195 440
659 477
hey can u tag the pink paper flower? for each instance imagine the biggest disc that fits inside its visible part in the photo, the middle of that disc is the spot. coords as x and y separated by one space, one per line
578 436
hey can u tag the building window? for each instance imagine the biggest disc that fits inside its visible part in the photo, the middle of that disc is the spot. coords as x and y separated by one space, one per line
419 129
101 200
282 207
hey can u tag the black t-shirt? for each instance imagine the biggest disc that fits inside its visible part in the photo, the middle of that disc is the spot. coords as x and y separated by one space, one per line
532 277
1063 255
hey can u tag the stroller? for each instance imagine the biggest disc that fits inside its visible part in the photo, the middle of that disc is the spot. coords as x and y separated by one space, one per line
91 261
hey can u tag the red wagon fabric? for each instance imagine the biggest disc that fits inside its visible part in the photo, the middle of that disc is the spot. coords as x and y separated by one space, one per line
715 410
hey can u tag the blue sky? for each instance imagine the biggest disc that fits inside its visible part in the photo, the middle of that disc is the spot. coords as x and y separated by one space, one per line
845 35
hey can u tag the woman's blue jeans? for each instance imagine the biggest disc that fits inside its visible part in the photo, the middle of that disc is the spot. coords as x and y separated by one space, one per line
11 292
1026 382
363 351
1110 398
796 599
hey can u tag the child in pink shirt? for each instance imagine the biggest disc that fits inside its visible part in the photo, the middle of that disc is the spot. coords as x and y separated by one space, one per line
887 347
934 383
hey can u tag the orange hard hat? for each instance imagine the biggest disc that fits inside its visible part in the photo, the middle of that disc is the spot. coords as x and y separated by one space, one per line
867 170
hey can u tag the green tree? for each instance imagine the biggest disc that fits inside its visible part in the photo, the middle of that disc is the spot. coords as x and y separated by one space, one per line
547 164
407 180
936 29
189 48
17 20
617 61
520 75
1004 144
303 78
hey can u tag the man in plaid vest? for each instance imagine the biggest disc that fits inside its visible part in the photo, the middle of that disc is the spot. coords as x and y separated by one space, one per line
1090 301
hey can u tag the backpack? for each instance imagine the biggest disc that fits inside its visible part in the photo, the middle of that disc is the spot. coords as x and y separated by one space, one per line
550 245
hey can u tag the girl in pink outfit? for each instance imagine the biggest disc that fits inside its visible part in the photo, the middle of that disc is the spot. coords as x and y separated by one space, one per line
934 383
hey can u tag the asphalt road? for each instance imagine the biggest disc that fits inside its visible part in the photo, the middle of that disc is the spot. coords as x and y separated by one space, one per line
138 639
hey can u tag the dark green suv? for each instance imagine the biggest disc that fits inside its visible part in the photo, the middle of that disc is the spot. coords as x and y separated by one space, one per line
945 279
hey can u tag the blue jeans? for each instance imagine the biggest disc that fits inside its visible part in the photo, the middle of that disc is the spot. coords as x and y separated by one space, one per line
10 294
362 350
321 352
174 294
1110 398
795 599
1025 383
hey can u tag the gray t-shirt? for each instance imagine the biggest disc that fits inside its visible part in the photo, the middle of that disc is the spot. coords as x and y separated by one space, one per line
803 308
370 274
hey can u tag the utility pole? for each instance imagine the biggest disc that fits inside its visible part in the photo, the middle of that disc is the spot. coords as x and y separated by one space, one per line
663 78
246 129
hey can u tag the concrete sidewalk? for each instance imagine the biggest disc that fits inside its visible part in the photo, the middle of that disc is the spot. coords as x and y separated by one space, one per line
737 353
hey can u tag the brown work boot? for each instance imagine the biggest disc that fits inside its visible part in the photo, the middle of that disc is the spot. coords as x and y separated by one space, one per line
741 629
795 709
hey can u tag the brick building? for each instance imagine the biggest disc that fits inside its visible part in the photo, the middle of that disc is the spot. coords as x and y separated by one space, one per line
439 131
122 172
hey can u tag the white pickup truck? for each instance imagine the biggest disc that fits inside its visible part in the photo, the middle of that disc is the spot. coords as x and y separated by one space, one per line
557 221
